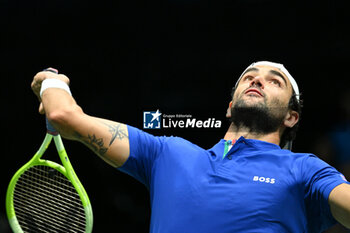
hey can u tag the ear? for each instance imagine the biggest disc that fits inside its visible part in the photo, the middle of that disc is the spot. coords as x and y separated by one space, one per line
228 112
291 119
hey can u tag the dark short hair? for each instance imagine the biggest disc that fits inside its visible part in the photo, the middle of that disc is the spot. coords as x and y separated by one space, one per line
294 104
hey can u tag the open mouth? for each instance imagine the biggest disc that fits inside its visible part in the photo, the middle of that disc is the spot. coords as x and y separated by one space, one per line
254 92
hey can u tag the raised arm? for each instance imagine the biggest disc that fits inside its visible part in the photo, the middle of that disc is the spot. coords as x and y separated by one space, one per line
339 201
108 139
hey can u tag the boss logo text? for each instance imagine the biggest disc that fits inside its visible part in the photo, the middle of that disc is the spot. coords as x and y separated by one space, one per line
264 179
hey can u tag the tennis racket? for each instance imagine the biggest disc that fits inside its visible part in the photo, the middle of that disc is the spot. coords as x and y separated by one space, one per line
44 196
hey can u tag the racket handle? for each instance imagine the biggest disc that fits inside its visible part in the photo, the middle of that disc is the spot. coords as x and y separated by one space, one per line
50 129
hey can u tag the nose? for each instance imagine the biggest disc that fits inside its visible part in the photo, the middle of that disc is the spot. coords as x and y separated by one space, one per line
257 81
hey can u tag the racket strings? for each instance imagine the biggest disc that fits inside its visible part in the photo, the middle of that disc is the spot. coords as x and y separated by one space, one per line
46 201
46 186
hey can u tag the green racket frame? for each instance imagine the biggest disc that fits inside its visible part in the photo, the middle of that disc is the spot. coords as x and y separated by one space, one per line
66 170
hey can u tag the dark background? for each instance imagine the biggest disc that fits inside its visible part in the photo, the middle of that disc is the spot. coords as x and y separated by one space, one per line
126 57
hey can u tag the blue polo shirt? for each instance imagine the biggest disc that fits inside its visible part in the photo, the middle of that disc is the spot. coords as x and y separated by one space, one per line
256 187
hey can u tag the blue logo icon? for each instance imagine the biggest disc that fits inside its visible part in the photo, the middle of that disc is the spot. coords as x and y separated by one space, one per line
152 120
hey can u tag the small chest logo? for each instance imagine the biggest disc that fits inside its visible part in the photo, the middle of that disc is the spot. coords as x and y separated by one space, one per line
264 179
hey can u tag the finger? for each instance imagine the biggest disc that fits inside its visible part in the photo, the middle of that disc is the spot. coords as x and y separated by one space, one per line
37 80
40 77
41 109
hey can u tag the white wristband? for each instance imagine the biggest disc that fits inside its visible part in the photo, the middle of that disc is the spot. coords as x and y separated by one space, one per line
54 83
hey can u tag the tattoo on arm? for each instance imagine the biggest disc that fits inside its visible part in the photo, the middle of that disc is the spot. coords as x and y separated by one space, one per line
117 131
95 144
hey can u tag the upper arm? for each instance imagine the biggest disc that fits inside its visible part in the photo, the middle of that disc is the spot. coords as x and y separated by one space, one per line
319 180
108 139
339 201
114 142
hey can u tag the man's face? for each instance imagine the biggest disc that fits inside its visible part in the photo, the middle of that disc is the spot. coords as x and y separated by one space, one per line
264 85
261 98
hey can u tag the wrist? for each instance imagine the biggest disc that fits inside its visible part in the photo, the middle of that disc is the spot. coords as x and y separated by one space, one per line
54 83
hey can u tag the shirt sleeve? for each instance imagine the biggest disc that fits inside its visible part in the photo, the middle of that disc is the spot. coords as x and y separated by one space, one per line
319 179
144 149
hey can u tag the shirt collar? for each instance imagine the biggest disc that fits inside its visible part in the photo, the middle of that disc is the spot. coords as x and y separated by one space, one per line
250 143
258 143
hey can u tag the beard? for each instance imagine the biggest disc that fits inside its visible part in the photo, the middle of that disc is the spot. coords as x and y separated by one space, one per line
258 118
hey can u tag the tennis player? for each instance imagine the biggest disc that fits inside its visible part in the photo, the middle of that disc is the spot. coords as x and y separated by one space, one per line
244 183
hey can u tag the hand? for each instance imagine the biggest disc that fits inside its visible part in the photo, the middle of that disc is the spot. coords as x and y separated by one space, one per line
40 77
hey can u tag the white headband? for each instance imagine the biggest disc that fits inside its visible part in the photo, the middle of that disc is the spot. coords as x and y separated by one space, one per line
278 66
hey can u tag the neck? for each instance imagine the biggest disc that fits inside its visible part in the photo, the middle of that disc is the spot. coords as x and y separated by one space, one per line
234 133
